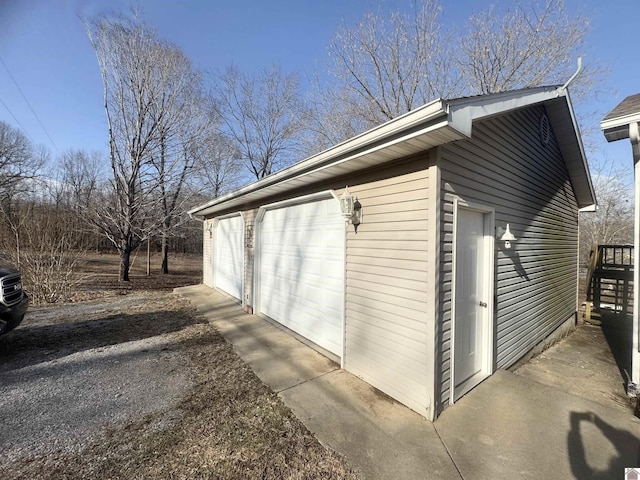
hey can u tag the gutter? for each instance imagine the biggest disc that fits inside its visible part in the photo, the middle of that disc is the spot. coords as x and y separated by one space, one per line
383 135
438 122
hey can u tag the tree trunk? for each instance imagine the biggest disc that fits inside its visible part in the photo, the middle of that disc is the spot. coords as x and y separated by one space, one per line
165 254
148 257
125 261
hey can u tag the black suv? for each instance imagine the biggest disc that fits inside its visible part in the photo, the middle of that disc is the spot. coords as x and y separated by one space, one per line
13 300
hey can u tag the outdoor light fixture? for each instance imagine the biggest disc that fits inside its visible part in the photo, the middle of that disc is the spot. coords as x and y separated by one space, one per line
506 236
351 209
346 204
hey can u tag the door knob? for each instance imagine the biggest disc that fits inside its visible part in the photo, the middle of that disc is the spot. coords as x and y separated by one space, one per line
483 304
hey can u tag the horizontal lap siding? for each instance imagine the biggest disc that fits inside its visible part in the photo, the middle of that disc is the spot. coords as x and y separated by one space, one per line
386 287
506 167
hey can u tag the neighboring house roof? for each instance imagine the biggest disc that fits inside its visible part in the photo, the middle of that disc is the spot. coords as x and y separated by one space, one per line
615 124
436 123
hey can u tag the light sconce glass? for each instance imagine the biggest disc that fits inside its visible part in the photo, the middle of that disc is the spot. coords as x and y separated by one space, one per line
351 209
346 204
506 236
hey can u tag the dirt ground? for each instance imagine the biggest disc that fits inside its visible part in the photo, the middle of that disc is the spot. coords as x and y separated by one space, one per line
592 362
127 381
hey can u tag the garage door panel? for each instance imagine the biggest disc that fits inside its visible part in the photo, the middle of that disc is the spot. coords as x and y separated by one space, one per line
229 255
302 270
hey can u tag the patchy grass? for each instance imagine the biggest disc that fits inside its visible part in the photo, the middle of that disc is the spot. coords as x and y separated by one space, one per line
228 425
99 274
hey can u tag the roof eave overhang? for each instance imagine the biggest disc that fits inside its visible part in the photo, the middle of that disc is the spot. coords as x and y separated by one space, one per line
415 131
561 116
618 128
567 132
434 124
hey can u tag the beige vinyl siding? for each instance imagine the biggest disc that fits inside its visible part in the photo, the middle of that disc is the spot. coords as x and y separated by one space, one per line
506 167
207 253
386 286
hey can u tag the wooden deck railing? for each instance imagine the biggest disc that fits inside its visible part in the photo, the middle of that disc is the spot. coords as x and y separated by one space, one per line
610 279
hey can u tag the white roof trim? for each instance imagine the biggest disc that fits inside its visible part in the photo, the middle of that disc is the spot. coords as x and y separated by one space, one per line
436 123
618 128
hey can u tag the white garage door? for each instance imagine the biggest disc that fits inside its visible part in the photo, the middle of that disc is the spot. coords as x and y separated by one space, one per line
229 255
301 270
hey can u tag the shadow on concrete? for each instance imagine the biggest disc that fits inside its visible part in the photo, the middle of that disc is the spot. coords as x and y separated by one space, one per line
626 446
617 329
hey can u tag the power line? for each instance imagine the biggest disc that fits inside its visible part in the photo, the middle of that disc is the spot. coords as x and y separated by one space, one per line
17 121
28 104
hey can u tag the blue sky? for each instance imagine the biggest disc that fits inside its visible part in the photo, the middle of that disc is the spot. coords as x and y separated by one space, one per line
43 48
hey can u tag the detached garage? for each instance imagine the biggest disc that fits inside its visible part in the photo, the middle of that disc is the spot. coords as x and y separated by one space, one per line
228 254
459 257
299 273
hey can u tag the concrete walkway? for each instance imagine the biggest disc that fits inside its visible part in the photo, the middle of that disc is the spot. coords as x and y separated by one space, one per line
509 426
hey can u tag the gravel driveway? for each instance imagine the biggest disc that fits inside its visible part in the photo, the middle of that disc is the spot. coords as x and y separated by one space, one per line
139 386
70 371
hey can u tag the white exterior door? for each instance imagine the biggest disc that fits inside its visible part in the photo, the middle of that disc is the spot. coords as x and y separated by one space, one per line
472 342
301 270
229 255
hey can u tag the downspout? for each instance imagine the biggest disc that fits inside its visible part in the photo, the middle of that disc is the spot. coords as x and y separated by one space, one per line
633 386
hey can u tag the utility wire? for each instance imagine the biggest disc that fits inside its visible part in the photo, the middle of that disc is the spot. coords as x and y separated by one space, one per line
29 105
17 121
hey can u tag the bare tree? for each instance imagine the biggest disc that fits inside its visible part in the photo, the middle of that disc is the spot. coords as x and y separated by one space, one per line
219 169
20 160
21 164
80 174
183 126
144 82
521 48
612 222
386 66
36 225
45 248
263 115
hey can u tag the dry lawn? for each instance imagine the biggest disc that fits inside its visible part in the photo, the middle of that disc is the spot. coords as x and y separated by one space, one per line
227 425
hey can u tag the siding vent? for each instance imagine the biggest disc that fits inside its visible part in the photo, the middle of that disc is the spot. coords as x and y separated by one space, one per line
545 129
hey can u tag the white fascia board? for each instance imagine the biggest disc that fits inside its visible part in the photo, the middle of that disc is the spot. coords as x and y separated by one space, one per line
589 209
618 128
323 159
464 111
583 155
459 115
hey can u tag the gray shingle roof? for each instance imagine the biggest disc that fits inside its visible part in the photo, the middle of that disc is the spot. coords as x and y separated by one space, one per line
629 106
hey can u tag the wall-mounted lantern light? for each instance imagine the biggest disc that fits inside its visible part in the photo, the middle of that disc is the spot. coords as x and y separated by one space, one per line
506 236
351 209
210 229
346 204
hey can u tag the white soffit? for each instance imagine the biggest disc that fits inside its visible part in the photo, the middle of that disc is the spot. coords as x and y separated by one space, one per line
615 125
618 128
436 123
